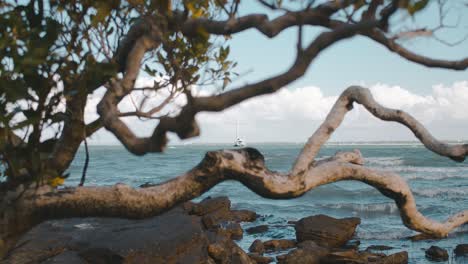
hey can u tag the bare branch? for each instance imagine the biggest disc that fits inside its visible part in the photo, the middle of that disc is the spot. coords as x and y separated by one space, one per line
362 96
393 46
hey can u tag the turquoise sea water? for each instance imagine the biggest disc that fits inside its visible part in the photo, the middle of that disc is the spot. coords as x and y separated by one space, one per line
439 184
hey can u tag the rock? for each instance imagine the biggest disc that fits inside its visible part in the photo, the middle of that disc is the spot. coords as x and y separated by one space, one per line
378 248
310 252
461 250
215 218
353 244
243 216
100 256
173 237
67 256
257 229
397 258
259 259
279 244
355 257
435 253
345 257
232 229
217 252
257 247
210 205
307 252
326 231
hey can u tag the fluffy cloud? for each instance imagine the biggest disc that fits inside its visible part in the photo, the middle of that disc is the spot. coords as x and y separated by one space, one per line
293 115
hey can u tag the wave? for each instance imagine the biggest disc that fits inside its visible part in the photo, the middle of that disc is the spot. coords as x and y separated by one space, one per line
442 192
384 161
459 170
393 234
436 177
387 208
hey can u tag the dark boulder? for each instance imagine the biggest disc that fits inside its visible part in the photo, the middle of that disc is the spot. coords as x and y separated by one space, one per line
356 257
210 205
435 253
279 244
257 247
232 230
100 256
177 236
326 231
306 252
259 259
461 250
378 248
353 244
243 216
216 218
257 229
397 258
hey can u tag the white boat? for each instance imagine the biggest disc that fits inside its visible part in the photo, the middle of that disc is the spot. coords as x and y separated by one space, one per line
239 142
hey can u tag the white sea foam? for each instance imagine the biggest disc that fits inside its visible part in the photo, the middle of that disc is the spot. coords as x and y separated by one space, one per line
364 208
384 161
84 226
442 192
434 177
395 233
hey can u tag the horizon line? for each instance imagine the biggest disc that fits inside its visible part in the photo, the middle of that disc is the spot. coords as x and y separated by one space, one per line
357 142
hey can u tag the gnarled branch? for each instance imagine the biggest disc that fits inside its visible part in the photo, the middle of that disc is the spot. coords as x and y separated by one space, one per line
246 166
363 96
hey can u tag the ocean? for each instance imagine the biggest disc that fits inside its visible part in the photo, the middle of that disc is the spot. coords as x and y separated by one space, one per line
439 184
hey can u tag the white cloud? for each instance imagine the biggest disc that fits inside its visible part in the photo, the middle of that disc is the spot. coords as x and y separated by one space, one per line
293 115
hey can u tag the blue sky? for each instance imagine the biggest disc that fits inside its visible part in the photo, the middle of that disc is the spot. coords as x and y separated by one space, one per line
353 60
437 97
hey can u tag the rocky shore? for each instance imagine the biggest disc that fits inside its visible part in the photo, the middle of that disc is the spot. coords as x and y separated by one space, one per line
202 232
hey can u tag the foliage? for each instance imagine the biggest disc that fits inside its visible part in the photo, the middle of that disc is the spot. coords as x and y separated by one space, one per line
55 53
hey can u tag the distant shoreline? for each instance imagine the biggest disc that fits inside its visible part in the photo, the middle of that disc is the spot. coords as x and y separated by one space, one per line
332 143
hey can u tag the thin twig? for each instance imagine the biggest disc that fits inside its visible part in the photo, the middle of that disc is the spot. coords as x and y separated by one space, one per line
85 167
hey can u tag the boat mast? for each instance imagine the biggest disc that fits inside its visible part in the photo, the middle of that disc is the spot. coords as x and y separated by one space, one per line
237 129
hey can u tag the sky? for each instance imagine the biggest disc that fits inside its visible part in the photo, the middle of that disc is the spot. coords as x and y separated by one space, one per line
437 97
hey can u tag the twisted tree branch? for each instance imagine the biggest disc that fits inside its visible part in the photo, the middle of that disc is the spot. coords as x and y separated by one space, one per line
362 96
247 166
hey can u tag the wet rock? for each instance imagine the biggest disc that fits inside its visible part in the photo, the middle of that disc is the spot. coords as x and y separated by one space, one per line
353 244
210 205
257 229
228 252
100 256
435 253
397 258
259 259
217 252
243 215
307 252
68 257
215 218
279 244
356 257
461 250
378 248
326 231
257 247
348 257
173 237
231 229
